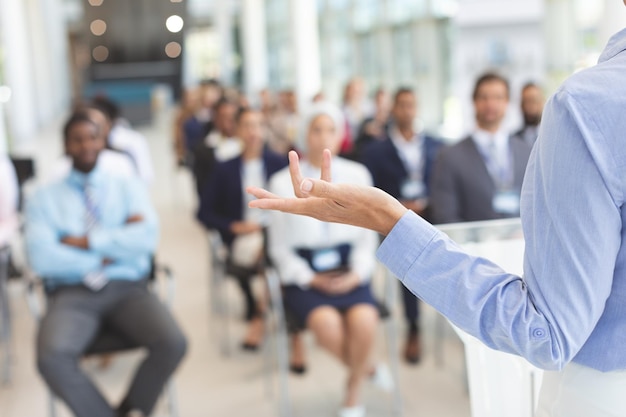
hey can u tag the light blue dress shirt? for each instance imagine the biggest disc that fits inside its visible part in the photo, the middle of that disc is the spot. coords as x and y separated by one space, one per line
571 303
58 210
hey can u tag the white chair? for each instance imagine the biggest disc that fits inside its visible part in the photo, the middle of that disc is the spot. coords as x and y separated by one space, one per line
277 319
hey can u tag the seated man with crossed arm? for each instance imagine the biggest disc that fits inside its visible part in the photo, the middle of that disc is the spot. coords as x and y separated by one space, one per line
91 236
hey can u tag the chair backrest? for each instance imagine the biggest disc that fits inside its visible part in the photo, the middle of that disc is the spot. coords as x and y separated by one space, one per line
24 170
5 252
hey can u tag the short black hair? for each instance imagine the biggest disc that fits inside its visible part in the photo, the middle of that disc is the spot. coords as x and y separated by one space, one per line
221 103
210 82
487 78
74 119
402 90
243 111
107 106
530 84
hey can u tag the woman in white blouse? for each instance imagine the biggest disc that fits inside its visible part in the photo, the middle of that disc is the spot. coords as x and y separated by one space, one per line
326 268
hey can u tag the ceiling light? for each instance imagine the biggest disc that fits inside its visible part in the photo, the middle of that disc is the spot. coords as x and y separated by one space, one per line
98 27
173 49
100 53
174 23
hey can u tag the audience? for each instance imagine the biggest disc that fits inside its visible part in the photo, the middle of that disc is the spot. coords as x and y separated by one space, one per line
8 201
189 104
356 108
91 237
326 268
401 165
532 107
219 145
374 128
480 178
224 207
284 124
111 160
201 123
124 138
91 231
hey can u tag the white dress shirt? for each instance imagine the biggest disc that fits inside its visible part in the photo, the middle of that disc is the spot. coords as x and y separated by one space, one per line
253 175
136 145
495 150
225 148
8 200
410 151
289 232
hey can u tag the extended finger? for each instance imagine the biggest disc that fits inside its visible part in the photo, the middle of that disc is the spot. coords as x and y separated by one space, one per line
306 206
294 171
260 193
326 171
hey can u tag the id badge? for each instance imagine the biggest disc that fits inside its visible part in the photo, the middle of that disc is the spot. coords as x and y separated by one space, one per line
326 259
412 189
506 202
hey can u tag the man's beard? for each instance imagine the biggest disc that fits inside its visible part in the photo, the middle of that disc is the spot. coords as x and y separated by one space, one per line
532 119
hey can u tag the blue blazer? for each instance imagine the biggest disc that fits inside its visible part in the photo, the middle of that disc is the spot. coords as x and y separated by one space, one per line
222 200
387 169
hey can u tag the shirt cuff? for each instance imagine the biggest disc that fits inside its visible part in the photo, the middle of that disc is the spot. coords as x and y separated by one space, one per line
410 236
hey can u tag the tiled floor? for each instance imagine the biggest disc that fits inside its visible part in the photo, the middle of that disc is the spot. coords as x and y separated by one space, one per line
209 384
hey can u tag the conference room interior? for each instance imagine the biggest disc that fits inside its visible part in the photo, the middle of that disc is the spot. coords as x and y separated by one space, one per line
163 63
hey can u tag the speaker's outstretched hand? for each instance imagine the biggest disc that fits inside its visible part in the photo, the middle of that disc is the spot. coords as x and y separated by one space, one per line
356 205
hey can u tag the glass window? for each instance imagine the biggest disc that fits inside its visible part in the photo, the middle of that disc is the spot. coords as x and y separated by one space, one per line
403 54
338 4
367 15
368 56
402 11
279 48
444 8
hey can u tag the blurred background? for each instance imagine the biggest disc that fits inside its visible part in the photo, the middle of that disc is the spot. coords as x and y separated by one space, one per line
144 52
152 57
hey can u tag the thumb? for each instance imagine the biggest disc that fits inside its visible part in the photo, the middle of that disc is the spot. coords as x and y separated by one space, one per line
317 188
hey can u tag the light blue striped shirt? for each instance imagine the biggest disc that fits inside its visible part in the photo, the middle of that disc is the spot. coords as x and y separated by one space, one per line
571 303
58 210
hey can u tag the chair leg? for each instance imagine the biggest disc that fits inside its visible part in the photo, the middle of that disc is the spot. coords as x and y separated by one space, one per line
172 399
282 351
5 321
219 305
52 406
225 320
391 333
269 346
440 332
282 344
394 361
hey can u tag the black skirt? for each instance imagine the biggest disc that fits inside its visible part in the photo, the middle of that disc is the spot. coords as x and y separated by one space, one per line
300 302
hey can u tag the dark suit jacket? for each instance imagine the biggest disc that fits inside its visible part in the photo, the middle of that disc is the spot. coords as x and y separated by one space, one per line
202 164
222 198
387 169
195 131
462 189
